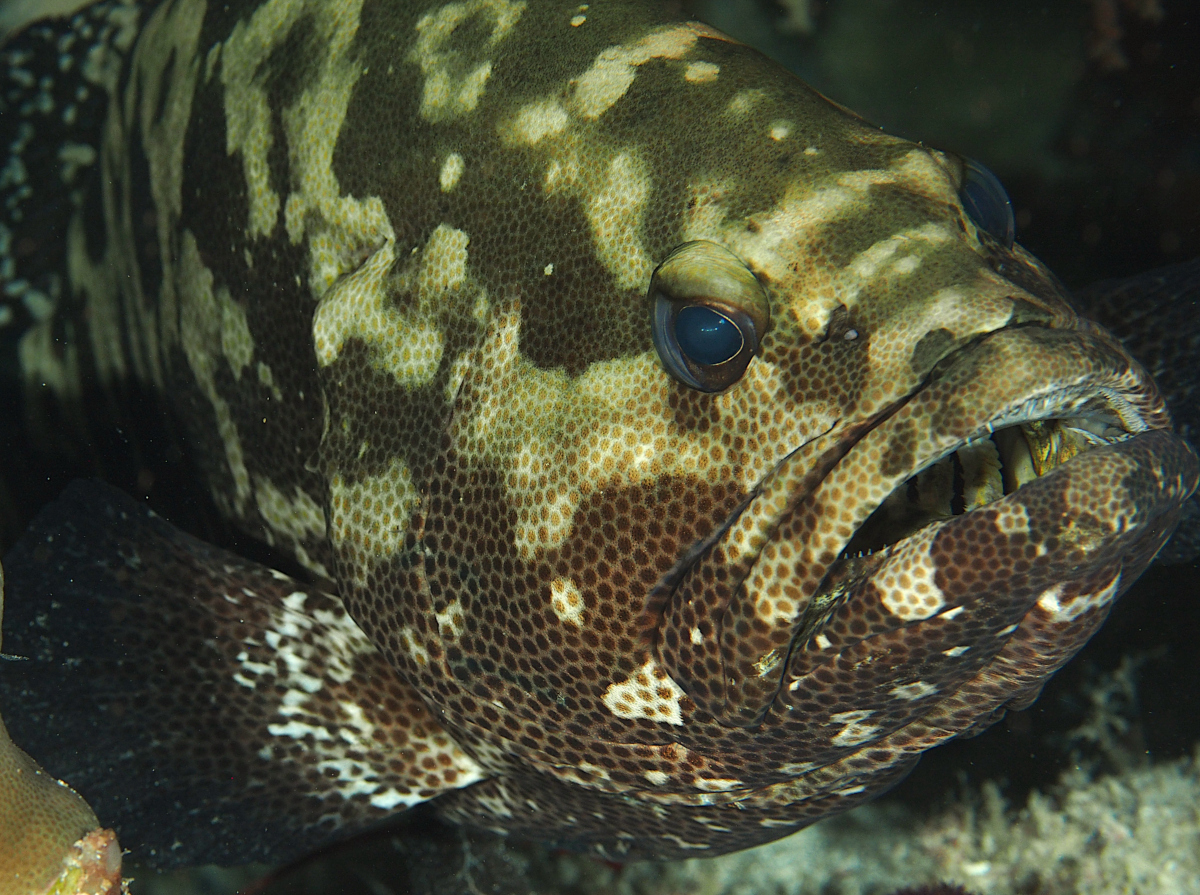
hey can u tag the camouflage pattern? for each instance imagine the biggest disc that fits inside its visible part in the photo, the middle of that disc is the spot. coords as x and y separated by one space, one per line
390 263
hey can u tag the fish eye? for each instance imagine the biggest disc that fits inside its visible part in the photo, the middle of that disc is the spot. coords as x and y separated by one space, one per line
987 204
707 336
708 314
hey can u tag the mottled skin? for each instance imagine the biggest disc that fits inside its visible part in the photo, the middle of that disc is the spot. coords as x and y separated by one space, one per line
390 261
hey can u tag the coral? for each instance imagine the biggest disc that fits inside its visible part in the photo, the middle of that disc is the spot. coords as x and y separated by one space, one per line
50 841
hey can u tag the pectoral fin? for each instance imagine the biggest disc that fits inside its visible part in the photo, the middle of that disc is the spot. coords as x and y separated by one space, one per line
209 707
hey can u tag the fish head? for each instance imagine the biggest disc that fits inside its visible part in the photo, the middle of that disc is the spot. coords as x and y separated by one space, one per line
768 461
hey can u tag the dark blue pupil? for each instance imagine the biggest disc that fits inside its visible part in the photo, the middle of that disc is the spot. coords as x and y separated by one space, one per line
987 204
706 337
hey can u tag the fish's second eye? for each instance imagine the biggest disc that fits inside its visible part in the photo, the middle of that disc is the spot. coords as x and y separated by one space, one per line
708 313
987 204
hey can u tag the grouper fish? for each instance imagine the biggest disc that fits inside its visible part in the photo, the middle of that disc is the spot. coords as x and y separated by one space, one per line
659 457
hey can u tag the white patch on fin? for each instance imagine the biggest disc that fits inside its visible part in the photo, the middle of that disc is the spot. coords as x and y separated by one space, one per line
854 731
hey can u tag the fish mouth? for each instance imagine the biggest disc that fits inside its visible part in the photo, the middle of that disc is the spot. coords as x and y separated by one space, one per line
1033 461
1076 445
1075 396
980 471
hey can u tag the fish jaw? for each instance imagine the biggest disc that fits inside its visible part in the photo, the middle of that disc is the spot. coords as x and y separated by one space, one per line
762 588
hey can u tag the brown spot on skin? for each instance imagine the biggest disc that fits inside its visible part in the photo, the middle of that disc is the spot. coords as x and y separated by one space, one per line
900 454
933 346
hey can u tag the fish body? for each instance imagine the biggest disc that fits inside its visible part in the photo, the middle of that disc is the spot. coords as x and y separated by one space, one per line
672 456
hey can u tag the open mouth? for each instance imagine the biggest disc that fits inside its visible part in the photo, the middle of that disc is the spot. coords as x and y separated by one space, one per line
979 472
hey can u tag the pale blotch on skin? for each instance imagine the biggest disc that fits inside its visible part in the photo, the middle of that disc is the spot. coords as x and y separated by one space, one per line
521 413
780 130
796 220
962 312
352 306
1010 518
745 102
320 108
648 693
906 583
200 328
368 519
158 109
450 621
75 156
313 656
1051 601
408 344
563 171
451 172
166 67
247 111
49 362
701 72
340 229
538 120
496 805
455 77
615 213
912 691
873 261
854 730
412 647
598 89
566 601
985 305
801 214
717 784
267 378
613 191
444 262
293 519
236 341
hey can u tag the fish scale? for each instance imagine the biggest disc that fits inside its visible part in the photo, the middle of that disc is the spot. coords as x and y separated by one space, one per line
397 272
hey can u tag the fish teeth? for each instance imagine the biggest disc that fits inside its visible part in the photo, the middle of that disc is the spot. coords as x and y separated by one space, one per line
982 473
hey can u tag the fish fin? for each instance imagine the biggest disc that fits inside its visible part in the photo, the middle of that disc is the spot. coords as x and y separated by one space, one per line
210 709
1156 315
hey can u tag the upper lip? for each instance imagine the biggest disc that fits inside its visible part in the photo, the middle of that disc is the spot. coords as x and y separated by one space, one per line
1005 380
